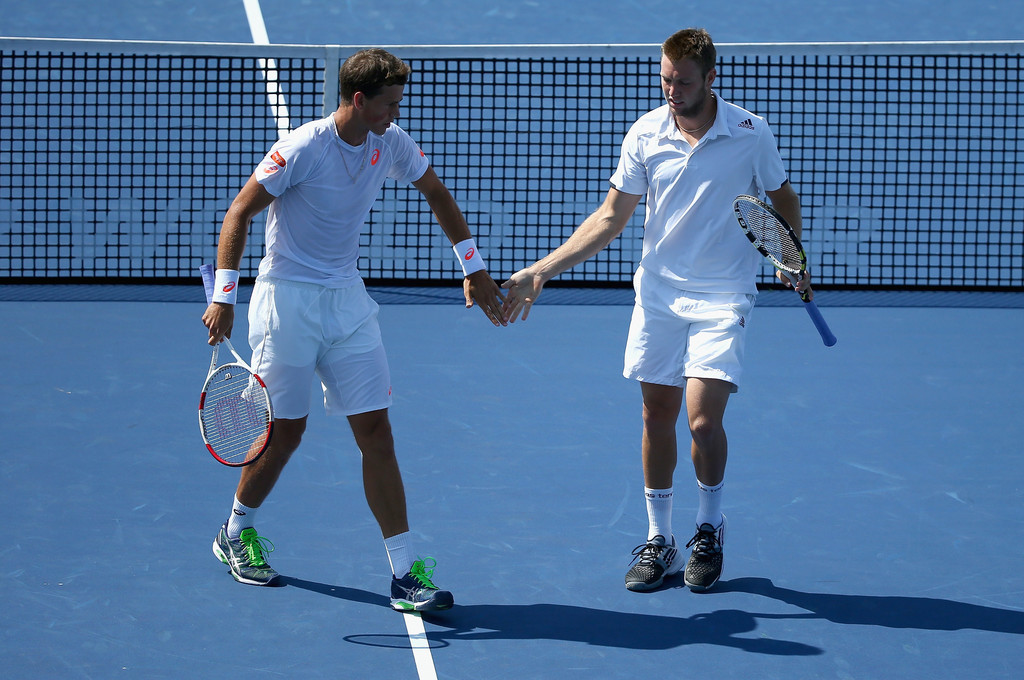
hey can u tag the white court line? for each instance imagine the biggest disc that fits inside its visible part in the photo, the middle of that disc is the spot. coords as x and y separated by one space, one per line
275 98
420 647
413 622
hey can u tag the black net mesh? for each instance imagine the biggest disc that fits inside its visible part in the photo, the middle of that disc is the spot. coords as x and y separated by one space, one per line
120 167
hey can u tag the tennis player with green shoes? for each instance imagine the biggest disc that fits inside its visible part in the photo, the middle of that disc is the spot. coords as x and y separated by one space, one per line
310 314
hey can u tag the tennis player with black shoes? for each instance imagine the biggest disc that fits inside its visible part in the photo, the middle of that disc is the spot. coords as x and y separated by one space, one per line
310 313
695 289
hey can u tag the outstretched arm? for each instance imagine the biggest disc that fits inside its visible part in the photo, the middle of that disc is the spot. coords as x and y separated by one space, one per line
478 286
596 232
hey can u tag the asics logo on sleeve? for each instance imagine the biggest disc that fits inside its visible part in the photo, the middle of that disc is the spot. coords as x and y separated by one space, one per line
279 159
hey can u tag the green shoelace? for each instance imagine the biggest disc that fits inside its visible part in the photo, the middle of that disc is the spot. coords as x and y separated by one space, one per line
255 545
422 571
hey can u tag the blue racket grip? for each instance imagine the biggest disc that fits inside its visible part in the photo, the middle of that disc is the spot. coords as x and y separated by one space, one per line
819 322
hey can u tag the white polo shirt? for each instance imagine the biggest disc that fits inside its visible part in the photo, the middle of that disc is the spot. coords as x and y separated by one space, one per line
324 189
691 238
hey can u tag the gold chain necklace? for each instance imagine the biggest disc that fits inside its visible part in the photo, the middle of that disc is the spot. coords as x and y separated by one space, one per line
710 120
697 129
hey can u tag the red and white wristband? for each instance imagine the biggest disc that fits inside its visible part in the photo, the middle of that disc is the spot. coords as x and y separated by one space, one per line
469 256
225 286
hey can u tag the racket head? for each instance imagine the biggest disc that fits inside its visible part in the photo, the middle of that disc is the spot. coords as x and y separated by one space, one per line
236 418
770 234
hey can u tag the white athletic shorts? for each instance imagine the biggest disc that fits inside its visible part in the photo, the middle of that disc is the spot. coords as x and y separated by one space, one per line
298 330
676 334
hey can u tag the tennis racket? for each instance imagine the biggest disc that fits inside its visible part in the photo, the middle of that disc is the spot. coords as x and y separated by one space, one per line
236 418
777 241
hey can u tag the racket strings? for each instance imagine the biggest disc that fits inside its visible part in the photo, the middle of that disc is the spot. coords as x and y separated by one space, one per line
236 414
773 239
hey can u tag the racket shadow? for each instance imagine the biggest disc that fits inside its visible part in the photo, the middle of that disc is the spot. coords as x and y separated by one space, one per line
887 611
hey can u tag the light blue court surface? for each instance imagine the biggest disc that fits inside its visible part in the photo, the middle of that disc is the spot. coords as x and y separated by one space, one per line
873 494
469 22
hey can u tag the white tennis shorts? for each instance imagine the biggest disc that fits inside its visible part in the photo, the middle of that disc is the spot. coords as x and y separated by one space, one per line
675 334
298 330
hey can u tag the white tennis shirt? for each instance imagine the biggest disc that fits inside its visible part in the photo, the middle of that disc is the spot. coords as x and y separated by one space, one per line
691 238
324 189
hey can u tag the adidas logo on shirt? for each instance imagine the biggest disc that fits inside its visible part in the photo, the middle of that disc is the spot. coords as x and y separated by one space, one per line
748 124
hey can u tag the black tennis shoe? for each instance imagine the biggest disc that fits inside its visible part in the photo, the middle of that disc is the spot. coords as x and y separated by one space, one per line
655 560
705 564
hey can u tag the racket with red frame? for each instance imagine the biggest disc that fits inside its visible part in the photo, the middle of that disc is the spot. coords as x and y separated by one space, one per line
236 418
776 240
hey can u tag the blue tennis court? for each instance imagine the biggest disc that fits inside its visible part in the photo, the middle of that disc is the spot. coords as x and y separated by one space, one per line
873 491
872 495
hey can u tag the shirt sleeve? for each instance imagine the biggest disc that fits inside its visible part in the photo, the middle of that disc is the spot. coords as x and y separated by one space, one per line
631 174
409 162
768 167
288 162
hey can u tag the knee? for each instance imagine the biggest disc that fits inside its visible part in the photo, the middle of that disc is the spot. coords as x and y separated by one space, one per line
373 434
705 430
658 415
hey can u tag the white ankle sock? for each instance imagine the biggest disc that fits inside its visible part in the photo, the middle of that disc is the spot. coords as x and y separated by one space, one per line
242 517
710 509
399 553
659 513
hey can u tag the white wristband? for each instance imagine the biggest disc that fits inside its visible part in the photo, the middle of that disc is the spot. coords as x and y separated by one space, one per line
225 286
469 256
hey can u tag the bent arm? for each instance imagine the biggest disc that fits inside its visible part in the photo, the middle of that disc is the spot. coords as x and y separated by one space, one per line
442 204
219 317
477 287
787 203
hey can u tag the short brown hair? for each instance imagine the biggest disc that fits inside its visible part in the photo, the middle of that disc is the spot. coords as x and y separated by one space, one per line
691 43
368 71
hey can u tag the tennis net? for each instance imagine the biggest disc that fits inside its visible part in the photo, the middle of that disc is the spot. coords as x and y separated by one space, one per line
121 158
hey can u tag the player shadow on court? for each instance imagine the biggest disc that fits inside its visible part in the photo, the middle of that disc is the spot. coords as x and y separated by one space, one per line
468 622
340 592
888 611
726 627
604 628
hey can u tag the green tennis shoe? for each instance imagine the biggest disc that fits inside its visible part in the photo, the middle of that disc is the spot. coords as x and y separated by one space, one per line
244 556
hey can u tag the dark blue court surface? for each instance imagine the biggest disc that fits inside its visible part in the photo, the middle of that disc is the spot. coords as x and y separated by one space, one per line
874 490
873 495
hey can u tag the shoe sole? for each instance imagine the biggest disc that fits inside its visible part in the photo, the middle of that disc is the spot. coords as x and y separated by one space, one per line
697 588
428 606
644 587
405 606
